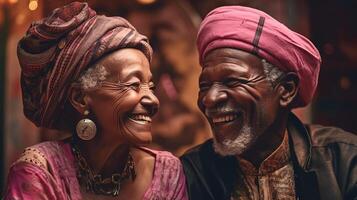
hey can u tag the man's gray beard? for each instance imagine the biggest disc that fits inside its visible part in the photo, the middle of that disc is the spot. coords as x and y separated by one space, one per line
236 146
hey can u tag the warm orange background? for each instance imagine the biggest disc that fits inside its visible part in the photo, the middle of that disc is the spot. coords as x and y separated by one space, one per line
172 27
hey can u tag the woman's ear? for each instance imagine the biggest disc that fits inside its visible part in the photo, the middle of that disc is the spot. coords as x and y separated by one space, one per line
288 88
77 99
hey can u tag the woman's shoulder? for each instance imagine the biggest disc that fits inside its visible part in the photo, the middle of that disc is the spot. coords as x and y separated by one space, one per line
166 162
168 157
161 155
41 154
168 178
43 171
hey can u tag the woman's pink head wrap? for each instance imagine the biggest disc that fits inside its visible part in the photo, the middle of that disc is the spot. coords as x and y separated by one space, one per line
57 49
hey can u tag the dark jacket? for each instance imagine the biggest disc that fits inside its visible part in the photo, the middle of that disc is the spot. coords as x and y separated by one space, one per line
324 160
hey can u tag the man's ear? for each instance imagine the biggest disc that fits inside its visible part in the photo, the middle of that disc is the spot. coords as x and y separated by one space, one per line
288 88
77 99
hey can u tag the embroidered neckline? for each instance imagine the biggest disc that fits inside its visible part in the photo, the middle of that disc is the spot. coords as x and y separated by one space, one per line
278 159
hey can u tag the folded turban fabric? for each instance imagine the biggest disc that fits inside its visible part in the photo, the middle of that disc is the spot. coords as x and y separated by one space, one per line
258 33
57 49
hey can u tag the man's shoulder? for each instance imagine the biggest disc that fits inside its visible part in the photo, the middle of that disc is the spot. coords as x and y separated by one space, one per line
203 155
199 150
333 156
328 135
200 154
209 175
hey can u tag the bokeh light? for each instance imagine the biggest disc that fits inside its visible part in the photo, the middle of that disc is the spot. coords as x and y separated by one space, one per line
146 1
33 5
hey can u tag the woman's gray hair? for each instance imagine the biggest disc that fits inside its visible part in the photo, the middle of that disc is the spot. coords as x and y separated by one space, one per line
92 77
272 72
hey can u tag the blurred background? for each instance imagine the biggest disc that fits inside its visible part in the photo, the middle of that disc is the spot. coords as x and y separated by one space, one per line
172 28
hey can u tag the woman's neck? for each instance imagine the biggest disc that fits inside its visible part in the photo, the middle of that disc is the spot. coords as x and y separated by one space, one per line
104 158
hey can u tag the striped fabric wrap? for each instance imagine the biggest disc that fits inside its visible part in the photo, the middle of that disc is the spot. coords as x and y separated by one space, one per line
57 49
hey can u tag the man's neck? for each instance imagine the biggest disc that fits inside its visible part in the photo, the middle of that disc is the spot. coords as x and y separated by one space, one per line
267 143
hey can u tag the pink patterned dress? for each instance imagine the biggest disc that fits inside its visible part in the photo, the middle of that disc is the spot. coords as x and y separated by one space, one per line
47 171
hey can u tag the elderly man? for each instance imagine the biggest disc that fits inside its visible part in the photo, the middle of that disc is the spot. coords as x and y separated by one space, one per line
254 72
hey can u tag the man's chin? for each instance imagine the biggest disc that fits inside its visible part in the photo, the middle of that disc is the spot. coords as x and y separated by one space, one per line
225 150
237 146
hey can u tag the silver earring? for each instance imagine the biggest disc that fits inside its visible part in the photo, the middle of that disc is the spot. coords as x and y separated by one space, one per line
86 128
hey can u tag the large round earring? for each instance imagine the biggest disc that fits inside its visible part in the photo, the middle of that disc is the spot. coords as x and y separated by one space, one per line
86 128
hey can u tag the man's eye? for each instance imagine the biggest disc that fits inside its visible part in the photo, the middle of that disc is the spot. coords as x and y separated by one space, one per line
234 82
204 86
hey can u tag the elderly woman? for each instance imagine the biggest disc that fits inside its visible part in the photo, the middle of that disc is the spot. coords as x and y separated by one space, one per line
90 75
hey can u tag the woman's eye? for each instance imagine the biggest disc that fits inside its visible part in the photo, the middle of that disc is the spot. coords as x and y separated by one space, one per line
152 86
135 85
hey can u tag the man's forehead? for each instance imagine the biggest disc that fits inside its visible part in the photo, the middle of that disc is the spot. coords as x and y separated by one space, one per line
225 68
228 52
232 54
230 60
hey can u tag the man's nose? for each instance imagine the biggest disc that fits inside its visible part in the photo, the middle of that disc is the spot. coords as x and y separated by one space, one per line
214 96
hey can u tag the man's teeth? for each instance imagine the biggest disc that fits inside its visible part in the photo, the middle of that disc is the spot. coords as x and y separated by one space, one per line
226 118
141 118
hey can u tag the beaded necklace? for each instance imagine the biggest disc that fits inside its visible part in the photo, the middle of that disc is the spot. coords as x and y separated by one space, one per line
96 183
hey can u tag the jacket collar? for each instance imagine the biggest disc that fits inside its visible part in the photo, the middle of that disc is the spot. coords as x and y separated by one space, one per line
300 142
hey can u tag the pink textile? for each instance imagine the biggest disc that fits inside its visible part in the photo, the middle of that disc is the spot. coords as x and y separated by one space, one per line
56 50
29 181
258 33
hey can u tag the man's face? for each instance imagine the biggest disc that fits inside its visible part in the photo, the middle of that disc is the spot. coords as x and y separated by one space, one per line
236 98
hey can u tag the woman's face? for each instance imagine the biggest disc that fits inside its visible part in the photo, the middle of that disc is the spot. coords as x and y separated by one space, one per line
123 104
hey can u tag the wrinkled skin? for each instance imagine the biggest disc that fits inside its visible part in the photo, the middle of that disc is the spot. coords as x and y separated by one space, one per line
121 106
240 104
127 92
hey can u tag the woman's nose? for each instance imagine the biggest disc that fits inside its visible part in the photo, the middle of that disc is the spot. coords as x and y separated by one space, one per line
150 102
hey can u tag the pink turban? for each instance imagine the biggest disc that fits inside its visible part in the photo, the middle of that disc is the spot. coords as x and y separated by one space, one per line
57 49
258 33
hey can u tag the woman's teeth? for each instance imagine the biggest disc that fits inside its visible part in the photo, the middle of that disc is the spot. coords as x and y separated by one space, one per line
141 118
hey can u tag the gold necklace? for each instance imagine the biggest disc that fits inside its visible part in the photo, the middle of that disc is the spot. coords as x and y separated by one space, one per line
95 182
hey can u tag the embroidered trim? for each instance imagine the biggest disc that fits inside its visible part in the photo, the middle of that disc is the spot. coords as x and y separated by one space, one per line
33 156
